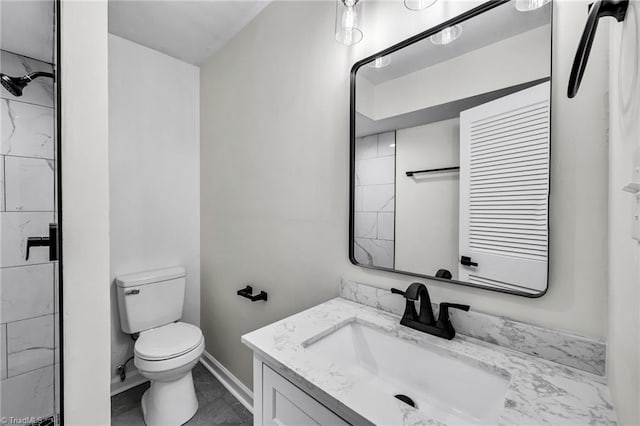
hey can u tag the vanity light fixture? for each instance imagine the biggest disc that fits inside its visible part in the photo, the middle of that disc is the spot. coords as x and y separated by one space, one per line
380 62
347 31
529 5
418 4
447 35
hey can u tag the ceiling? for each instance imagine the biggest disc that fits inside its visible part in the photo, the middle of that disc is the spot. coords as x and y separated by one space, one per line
366 126
487 28
188 30
26 28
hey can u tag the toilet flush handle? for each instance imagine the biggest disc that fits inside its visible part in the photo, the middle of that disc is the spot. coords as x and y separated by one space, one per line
132 292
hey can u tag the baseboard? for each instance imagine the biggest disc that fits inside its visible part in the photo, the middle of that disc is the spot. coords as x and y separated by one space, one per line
228 380
220 372
134 378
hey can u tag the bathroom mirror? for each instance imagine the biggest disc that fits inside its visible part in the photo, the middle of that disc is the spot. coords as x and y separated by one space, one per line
450 151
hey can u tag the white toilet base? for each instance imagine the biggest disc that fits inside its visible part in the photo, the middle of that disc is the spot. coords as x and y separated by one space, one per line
170 403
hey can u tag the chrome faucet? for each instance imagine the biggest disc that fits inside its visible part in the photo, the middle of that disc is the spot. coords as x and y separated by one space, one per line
424 320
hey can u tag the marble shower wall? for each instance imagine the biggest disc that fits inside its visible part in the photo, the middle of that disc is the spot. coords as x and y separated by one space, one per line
375 200
28 313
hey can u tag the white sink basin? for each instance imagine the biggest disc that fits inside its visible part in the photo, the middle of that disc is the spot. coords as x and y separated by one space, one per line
447 389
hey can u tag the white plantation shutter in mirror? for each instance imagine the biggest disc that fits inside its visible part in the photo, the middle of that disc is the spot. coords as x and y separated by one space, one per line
504 189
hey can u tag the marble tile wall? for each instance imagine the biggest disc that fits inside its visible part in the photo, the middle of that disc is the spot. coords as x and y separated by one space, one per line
375 200
28 294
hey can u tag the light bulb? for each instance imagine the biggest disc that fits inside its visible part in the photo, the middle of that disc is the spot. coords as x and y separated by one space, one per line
349 18
347 31
447 35
418 4
529 5
380 62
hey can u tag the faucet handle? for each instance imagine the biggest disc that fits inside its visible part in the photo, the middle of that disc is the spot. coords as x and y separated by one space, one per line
455 306
443 315
410 313
444 308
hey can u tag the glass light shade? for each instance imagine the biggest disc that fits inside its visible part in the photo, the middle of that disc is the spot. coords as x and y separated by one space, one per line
529 5
380 62
418 4
347 31
447 35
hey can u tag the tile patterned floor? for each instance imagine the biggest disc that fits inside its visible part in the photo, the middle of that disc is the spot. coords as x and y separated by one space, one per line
217 406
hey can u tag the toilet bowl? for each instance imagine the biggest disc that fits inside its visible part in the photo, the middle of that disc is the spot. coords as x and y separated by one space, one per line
150 305
166 355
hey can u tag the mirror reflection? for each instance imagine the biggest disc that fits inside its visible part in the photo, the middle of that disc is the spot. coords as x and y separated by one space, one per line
451 170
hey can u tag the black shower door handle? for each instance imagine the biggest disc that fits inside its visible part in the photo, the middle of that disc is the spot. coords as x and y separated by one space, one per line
51 241
599 9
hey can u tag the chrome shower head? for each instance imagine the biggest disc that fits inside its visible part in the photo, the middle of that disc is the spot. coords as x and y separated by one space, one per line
15 85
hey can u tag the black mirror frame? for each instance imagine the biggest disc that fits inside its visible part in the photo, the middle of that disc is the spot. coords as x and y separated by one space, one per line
484 7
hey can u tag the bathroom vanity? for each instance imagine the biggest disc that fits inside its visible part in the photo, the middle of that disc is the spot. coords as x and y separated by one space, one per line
450 181
343 362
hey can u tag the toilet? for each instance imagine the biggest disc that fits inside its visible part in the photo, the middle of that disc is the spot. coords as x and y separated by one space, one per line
166 350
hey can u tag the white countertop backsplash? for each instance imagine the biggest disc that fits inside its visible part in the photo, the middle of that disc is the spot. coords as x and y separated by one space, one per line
539 391
564 348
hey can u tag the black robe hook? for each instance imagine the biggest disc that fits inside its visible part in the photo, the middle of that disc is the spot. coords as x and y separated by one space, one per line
598 9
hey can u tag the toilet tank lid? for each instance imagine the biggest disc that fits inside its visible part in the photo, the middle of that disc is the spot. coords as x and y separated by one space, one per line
148 277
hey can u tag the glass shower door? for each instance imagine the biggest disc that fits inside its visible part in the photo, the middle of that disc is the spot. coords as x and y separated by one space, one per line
29 346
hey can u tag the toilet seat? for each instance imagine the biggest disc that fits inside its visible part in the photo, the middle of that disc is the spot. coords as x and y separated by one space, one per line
167 348
167 342
150 369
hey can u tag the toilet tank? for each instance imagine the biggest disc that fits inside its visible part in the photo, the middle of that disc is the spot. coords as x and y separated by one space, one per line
150 299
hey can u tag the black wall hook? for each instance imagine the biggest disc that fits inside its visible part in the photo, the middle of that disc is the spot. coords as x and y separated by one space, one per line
599 9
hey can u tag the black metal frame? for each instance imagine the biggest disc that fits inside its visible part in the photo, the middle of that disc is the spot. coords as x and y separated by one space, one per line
58 74
484 7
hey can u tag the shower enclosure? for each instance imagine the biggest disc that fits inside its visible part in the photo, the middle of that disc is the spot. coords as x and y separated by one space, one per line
30 386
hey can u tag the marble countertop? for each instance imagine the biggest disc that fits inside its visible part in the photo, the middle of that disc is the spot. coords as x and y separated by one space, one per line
539 391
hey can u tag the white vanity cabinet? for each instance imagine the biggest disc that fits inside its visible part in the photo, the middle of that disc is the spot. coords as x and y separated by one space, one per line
278 402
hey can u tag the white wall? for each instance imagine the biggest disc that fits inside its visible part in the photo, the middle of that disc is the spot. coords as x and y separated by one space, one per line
85 225
624 258
275 186
516 60
427 206
154 148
